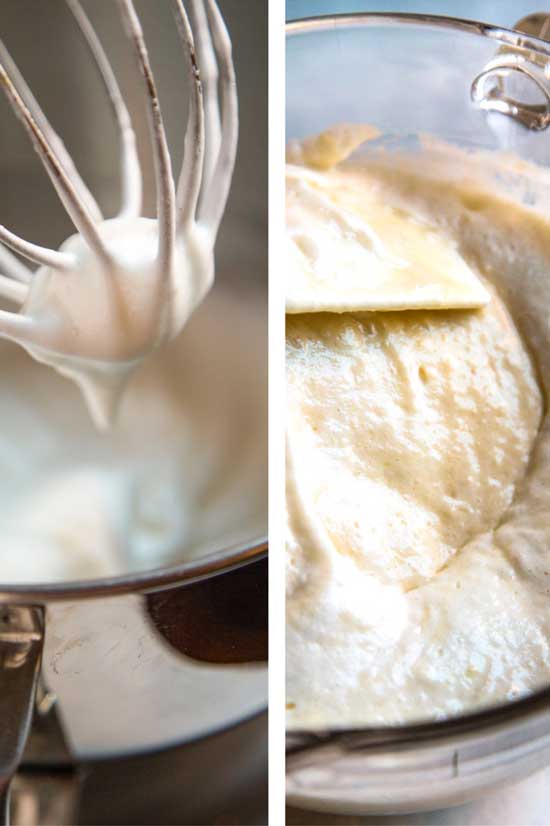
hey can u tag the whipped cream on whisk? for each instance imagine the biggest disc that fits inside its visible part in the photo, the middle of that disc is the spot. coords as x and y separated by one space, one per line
95 323
120 288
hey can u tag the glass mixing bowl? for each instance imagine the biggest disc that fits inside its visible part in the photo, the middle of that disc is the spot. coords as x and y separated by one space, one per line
480 88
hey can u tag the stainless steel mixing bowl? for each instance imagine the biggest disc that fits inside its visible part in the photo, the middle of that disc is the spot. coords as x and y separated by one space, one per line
115 701
481 88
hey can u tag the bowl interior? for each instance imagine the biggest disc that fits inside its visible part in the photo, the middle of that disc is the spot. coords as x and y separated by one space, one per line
410 76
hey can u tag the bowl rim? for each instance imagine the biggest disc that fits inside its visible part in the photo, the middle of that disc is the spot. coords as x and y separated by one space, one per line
301 741
156 579
304 742
505 36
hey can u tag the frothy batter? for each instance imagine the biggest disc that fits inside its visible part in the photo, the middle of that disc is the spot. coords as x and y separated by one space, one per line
419 470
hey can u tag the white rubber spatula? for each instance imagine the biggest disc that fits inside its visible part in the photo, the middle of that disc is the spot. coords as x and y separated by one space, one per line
348 250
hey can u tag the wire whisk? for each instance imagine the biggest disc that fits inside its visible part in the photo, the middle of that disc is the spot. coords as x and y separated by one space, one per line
122 286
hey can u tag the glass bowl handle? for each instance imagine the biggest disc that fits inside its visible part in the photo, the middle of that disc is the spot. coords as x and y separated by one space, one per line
495 88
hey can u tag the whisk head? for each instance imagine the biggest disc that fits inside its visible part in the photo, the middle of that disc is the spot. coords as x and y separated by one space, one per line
121 286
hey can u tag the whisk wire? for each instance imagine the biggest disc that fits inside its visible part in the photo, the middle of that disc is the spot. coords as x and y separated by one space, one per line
192 168
13 290
13 267
216 197
164 182
209 78
33 252
63 185
131 170
63 155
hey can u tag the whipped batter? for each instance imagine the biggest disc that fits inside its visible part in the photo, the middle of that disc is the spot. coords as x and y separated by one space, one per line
182 474
418 480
